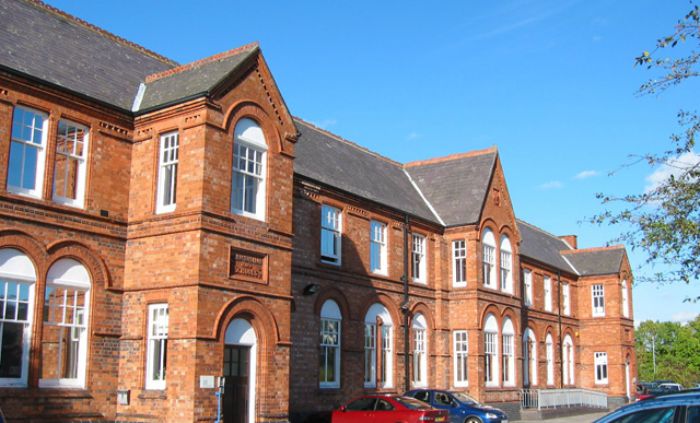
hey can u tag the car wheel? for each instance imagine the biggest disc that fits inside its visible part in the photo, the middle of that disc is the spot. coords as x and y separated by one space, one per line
472 419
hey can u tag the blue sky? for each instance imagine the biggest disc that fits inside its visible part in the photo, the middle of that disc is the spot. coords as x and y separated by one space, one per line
551 83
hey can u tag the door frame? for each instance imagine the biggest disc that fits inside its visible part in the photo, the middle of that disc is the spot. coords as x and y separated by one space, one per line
241 332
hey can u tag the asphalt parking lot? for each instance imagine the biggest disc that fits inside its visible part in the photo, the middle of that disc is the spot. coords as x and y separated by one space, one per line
583 418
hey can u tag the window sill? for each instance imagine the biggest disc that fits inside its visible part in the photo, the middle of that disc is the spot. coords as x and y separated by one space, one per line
248 215
153 394
58 384
24 193
76 204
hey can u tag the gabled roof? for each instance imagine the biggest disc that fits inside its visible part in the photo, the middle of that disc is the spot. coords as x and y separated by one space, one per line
333 161
544 247
44 43
456 186
597 261
193 79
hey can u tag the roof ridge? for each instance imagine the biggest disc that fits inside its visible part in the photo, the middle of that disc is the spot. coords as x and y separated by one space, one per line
594 249
87 25
456 156
191 65
348 142
537 228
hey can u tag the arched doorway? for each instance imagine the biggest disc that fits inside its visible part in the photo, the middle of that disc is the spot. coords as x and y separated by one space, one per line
240 362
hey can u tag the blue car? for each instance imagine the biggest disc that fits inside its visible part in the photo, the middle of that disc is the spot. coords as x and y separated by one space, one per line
462 407
667 408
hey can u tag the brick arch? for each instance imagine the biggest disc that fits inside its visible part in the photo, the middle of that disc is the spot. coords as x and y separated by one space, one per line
510 313
85 255
490 224
422 308
490 309
256 313
387 302
336 295
548 330
30 246
247 108
569 331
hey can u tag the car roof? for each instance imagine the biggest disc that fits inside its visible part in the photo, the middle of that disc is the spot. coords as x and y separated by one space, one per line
691 397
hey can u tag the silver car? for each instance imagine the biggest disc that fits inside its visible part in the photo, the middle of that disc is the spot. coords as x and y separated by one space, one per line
682 407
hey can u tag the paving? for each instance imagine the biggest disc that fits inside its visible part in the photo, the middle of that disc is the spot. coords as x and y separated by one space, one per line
582 418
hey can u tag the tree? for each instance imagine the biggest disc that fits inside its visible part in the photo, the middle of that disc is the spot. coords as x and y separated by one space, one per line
664 221
676 348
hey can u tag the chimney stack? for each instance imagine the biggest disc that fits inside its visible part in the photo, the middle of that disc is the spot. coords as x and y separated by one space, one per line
572 240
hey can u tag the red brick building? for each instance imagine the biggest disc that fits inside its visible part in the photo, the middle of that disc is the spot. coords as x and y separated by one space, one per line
162 225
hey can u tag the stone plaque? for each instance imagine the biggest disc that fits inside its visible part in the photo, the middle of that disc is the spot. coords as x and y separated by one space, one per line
248 265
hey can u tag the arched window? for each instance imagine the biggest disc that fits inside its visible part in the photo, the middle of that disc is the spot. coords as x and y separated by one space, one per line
550 359
491 351
529 358
64 333
508 339
329 372
489 258
17 281
568 357
249 170
379 359
420 347
625 300
506 265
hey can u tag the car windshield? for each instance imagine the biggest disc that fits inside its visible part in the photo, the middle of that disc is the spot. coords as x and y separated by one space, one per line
465 399
412 403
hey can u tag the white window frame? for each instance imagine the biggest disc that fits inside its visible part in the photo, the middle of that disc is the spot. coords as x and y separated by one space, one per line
549 353
168 158
85 286
420 353
387 342
506 267
17 268
600 363
330 316
331 235
566 298
378 247
37 191
527 282
489 259
598 300
625 299
418 258
370 357
530 361
157 332
459 263
568 357
508 376
491 353
248 135
79 200
547 293
460 348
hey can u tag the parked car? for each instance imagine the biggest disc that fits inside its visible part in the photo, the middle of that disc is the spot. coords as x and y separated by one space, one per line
666 408
670 387
387 409
461 407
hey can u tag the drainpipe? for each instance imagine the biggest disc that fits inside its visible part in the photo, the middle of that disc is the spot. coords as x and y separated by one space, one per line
404 306
561 346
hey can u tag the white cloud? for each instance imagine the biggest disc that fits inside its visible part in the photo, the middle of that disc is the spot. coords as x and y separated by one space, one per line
674 166
551 185
585 174
684 316
325 123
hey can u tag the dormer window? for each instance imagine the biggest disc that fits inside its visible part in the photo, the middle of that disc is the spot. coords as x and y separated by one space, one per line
249 170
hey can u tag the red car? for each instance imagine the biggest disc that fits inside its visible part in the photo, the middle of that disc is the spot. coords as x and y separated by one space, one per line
388 409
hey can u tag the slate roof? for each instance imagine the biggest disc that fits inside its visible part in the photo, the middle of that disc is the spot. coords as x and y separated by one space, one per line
456 187
194 79
328 159
543 247
597 261
45 43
